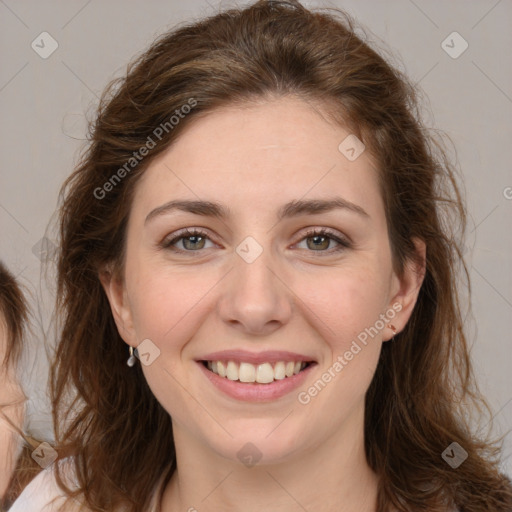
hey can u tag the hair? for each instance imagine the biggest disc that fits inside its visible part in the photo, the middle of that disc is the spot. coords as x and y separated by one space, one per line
14 318
13 315
417 405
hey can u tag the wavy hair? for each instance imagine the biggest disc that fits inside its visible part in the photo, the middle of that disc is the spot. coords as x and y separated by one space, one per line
14 313
417 405
14 317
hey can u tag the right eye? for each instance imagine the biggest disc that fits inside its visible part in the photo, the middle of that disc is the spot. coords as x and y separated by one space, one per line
192 240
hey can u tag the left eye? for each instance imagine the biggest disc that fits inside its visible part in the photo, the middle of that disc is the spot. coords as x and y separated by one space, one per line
321 239
194 240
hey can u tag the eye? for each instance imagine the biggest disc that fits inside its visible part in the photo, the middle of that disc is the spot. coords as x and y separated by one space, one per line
192 239
319 239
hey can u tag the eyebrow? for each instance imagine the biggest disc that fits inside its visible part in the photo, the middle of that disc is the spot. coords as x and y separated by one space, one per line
291 209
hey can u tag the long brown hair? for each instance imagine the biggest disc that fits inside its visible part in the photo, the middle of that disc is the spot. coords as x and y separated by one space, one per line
419 399
14 315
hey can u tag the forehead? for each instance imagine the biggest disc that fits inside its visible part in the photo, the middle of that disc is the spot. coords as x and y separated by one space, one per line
258 154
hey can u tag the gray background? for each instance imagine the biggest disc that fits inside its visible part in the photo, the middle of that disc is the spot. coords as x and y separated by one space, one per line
44 104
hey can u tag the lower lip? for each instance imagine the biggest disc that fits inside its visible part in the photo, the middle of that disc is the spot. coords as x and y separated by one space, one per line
253 391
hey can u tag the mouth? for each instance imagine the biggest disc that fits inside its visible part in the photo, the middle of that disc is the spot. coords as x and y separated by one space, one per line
263 373
258 382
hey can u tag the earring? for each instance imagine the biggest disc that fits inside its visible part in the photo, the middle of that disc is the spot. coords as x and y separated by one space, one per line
393 328
131 359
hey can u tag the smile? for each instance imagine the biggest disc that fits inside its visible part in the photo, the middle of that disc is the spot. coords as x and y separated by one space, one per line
264 373
242 381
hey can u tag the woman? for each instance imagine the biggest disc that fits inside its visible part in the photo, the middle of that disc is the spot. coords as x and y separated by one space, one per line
263 217
13 317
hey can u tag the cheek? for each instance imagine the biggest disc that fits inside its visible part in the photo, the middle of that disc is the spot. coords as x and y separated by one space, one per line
168 305
346 306
344 301
168 308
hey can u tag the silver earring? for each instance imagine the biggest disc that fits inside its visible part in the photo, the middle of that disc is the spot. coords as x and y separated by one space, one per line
131 359
393 328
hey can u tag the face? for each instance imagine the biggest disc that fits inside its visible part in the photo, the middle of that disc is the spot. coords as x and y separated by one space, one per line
272 281
10 391
5 342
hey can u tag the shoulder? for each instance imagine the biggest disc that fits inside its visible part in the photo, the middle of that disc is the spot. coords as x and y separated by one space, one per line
43 494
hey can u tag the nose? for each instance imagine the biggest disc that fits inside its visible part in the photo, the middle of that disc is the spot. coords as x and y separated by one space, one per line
255 298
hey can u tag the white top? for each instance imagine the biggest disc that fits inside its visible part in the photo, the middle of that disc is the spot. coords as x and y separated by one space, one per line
39 494
43 494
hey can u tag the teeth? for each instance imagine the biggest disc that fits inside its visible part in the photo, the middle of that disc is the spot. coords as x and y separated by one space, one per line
279 371
232 371
263 373
221 369
247 373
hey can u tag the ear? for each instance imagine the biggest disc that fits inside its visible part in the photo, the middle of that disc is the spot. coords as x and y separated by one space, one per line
407 287
115 290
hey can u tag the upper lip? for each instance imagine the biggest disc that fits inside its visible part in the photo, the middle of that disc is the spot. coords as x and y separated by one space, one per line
272 356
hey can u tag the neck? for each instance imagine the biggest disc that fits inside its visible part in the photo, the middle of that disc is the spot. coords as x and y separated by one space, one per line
330 477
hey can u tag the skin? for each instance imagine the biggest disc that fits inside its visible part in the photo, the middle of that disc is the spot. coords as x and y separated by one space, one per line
11 415
253 159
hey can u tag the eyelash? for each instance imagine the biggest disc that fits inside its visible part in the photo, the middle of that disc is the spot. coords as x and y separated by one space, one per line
324 232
